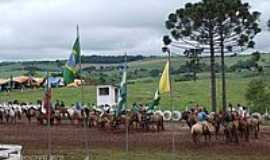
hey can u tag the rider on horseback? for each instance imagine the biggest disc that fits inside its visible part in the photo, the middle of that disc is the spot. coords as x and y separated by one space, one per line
202 117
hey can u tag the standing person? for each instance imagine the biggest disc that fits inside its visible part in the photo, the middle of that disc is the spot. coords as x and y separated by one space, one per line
62 105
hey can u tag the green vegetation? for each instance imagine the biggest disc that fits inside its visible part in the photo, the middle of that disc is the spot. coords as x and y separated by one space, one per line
143 81
258 94
142 91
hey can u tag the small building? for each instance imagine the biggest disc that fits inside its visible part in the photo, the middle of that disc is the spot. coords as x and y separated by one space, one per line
107 95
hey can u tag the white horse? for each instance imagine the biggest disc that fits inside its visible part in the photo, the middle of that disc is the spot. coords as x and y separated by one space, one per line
9 114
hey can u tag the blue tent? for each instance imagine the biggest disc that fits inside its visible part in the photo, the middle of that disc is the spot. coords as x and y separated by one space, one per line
56 81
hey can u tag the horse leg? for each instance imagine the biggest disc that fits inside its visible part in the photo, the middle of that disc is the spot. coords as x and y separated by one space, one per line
194 138
29 119
216 132
236 136
247 133
257 128
162 124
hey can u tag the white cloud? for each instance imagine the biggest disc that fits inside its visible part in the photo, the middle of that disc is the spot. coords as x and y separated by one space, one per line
46 28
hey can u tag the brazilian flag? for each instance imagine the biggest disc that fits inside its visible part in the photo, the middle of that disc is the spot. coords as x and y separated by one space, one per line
72 66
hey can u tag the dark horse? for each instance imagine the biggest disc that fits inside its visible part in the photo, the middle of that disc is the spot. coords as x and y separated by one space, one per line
190 118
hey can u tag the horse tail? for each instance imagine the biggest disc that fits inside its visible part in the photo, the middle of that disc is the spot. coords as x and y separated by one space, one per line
258 125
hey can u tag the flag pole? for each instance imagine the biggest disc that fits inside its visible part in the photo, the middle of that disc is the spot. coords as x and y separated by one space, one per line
127 124
171 104
49 117
82 101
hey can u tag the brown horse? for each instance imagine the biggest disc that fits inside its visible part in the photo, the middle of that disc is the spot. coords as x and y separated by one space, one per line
254 126
135 119
45 118
29 113
244 128
215 120
190 118
105 120
231 126
205 129
155 120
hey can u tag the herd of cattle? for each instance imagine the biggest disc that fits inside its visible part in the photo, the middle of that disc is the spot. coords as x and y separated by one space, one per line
216 123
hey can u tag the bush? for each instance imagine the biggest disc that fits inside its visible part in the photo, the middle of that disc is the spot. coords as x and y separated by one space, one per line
154 72
185 77
258 95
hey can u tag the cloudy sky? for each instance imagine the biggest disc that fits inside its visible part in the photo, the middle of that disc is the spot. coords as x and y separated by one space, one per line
45 29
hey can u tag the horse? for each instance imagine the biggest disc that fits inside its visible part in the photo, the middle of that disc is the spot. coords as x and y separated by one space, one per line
2 114
29 113
10 115
107 119
152 119
93 118
230 126
190 118
205 129
61 114
254 124
135 119
244 128
215 120
75 116
45 117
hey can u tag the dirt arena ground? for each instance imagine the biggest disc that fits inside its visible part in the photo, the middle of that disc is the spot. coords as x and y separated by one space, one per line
68 142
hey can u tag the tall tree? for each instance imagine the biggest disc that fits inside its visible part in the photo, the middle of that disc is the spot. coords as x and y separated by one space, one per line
237 27
216 26
193 61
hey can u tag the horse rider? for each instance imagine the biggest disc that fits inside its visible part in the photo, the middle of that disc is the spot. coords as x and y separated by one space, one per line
202 117
62 105
78 107
57 104
135 108
106 108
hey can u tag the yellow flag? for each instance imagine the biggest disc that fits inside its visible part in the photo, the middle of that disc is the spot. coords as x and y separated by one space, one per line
164 83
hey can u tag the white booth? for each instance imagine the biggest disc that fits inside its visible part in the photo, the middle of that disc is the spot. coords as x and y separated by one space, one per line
107 95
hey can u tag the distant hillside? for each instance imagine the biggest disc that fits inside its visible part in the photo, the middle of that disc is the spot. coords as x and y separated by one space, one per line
107 67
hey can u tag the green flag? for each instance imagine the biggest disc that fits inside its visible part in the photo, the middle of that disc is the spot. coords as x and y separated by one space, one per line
72 66
155 102
122 99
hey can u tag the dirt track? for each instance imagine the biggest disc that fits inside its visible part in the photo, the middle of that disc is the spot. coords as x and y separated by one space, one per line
69 138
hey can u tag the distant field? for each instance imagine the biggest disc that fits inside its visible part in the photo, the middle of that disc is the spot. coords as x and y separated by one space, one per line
17 69
142 89
184 93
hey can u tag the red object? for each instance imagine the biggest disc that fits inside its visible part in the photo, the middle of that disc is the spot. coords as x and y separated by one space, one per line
47 102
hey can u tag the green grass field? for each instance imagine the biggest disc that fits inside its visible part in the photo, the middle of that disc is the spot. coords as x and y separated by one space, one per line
184 93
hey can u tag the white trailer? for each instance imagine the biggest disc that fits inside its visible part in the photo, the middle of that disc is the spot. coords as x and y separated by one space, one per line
107 95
